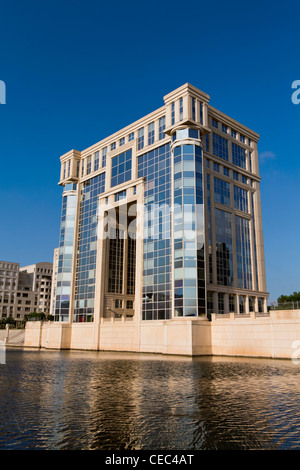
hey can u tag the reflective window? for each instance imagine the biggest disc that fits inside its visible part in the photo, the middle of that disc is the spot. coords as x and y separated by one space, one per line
233 134
224 128
181 109
214 123
220 147
243 253
140 138
223 248
225 171
162 126
155 166
120 195
113 146
194 109
201 112
216 167
88 164
96 161
121 168
173 113
240 199
235 175
238 156
122 141
104 153
151 133
222 191
131 137
87 248
242 138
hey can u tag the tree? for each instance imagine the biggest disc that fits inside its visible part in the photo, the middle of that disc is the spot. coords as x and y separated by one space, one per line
294 297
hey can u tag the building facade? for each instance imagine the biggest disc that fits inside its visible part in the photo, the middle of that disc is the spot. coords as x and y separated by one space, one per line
162 220
24 289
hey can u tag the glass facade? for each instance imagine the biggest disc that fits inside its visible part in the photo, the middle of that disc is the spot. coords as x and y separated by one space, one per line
238 156
162 126
87 248
220 147
240 199
155 166
222 191
66 248
224 248
189 267
121 168
243 253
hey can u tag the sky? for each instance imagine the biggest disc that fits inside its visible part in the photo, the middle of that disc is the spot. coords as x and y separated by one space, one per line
76 72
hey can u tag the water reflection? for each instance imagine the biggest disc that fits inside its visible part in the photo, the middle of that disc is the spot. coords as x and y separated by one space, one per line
99 400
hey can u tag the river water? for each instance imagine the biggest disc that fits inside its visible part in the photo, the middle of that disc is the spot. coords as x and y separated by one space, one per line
113 401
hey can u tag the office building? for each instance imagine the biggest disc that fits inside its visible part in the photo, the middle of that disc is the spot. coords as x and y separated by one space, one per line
161 222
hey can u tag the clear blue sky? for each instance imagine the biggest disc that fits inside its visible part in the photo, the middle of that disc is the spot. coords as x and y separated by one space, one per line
78 71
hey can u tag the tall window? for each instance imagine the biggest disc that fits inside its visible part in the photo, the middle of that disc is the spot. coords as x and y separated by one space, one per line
238 156
220 147
222 191
194 109
223 248
89 164
151 133
162 126
240 199
96 161
140 138
104 153
243 253
121 168
181 109
173 113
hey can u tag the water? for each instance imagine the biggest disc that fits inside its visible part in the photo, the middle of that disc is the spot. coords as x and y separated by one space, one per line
110 401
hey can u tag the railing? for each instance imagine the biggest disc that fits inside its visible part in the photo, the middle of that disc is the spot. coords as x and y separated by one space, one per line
220 316
285 306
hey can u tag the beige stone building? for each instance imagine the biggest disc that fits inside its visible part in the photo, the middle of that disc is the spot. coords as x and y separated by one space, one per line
161 227
24 289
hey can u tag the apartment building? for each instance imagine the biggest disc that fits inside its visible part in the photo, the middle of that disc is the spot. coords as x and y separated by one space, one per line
24 289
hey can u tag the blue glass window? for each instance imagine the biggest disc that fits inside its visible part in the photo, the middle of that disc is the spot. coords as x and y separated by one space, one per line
235 175
194 109
233 134
155 166
113 146
214 123
162 126
201 112
151 133
122 141
88 165
222 191
238 156
242 138
225 171
96 161
173 113
223 248
121 168
87 249
131 137
181 109
104 153
243 253
216 167
220 147
240 199
121 195
224 128
141 138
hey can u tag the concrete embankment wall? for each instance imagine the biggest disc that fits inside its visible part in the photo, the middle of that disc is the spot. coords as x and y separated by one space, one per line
276 335
13 337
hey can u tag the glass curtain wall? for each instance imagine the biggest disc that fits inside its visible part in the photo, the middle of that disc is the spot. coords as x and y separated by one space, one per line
189 272
63 292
